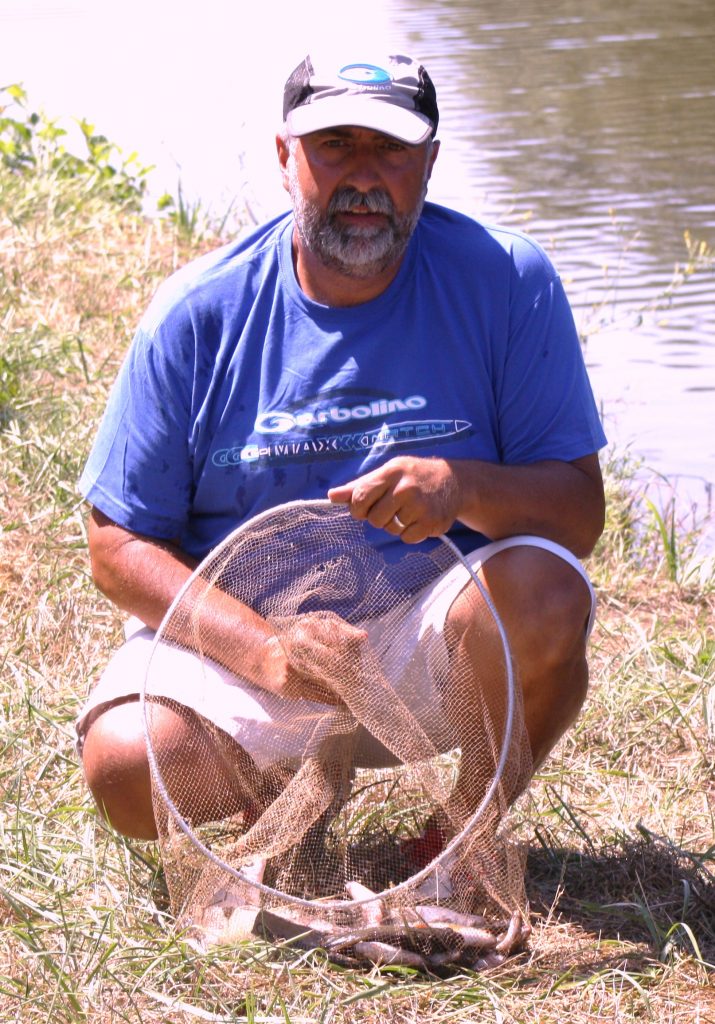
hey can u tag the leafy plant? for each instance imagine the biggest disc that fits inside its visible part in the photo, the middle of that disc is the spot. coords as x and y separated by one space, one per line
188 217
666 528
30 143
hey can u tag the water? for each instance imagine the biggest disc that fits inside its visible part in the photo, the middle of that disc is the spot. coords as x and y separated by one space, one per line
590 124
593 126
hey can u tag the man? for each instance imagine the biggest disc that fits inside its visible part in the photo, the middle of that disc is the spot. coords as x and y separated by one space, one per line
275 369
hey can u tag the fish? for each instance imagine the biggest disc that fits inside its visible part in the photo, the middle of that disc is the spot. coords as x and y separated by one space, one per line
485 963
240 925
444 958
423 937
516 934
383 953
372 909
386 933
473 938
436 915
428 937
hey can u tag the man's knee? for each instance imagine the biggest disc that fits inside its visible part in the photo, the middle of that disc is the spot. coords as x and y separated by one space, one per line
544 603
206 773
117 770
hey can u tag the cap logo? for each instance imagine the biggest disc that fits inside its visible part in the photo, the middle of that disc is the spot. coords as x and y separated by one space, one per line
364 74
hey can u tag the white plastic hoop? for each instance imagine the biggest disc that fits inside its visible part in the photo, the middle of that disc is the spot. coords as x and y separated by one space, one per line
415 879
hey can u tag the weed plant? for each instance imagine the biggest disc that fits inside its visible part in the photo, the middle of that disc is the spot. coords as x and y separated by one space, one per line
618 826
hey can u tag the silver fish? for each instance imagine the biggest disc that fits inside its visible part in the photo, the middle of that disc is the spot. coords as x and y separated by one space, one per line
444 957
464 936
485 963
388 933
442 936
434 915
371 909
474 938
382 953
513 936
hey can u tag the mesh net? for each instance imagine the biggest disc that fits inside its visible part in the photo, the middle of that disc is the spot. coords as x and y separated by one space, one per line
368 815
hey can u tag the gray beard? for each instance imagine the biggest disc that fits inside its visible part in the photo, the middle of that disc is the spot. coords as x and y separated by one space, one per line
354 251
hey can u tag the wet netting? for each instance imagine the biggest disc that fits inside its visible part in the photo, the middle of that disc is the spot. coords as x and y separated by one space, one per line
364 809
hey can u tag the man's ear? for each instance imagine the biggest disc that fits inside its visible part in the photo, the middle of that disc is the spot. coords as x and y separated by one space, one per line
433 156
283 150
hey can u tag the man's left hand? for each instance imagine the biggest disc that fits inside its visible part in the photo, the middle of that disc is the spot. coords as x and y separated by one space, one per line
413 498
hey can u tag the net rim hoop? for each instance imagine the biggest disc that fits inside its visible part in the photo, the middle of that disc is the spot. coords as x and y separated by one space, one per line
423 873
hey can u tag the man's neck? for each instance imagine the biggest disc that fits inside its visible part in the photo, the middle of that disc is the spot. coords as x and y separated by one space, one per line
330 287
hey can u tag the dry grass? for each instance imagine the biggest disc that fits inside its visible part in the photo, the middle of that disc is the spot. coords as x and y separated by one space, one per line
619 825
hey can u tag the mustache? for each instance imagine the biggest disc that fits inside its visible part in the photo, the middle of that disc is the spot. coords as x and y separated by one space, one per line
376 200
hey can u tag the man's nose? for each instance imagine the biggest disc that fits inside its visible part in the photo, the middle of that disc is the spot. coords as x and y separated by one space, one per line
363 173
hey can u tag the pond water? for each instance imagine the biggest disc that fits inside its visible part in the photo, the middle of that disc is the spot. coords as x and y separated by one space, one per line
589 124
593 125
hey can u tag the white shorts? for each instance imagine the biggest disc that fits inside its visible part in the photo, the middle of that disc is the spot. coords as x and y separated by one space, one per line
257 719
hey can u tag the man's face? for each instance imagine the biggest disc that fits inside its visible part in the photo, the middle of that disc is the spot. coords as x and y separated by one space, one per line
357 196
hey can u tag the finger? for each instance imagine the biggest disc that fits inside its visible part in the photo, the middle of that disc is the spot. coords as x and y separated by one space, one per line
359 494
379 506
415 533
410 537
370 498
341 495
394 525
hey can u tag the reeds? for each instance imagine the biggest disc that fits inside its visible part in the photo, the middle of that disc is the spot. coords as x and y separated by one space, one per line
619 824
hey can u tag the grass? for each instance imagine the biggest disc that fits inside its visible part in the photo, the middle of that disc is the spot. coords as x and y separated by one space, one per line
618 825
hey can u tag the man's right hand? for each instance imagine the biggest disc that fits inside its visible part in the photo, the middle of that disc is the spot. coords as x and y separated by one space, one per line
293 657
307 653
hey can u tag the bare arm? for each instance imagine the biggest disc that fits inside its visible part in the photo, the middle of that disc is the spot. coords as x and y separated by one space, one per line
562 501
142 575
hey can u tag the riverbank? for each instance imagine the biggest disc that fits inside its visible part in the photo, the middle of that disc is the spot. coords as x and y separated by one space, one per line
618 825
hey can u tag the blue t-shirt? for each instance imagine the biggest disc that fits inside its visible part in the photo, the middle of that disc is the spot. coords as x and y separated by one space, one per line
239 393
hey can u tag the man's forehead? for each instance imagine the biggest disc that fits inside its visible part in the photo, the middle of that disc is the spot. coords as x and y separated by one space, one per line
352 131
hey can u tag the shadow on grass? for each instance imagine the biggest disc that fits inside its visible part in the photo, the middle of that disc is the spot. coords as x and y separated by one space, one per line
640 891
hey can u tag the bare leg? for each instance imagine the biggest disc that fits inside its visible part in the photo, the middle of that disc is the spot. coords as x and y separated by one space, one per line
118 774
544 606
